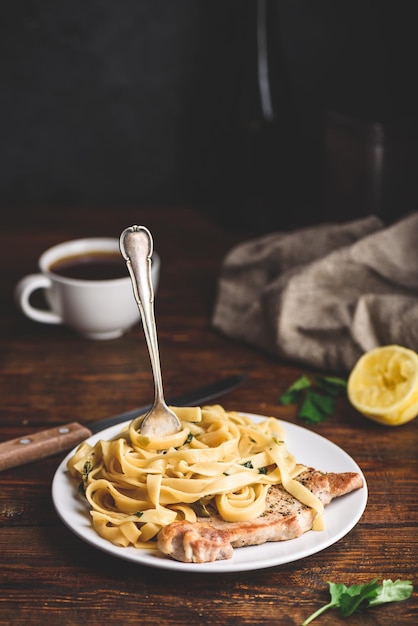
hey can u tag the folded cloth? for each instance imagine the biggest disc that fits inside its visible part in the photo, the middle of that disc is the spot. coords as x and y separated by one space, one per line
325 294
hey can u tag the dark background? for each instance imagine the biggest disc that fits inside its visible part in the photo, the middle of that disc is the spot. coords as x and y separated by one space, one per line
156 102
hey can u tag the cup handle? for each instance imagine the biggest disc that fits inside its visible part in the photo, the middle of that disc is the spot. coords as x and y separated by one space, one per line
23 290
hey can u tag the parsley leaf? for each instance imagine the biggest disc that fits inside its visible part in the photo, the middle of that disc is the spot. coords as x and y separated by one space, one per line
332 385
316 407
392 592
350 599
293 393
315 396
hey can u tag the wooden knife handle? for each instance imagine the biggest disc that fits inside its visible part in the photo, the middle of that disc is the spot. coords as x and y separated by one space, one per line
41 444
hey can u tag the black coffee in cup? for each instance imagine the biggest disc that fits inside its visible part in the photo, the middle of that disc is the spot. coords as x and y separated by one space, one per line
94 265
78 279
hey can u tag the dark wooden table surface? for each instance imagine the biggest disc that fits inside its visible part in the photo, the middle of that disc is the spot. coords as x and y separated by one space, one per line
49 376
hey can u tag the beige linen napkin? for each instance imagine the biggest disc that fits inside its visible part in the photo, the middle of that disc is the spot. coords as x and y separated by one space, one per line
325 294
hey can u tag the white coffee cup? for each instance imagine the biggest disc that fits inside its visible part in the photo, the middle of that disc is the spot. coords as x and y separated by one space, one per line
96 309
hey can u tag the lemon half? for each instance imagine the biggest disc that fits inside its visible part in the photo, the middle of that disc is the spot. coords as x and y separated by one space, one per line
383 385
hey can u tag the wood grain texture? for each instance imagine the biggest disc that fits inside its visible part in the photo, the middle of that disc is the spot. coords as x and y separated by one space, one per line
50 377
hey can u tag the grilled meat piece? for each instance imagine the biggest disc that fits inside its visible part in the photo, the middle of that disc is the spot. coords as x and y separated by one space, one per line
212 538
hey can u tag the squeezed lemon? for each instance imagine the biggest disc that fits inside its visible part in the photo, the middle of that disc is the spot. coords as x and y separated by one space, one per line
383 385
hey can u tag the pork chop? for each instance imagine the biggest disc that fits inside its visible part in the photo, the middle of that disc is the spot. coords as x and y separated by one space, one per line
212 538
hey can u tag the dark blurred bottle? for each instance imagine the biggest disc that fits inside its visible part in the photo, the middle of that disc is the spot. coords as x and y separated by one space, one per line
328 113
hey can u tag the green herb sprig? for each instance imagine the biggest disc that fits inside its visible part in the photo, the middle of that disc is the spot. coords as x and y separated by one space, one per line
357 597
315 396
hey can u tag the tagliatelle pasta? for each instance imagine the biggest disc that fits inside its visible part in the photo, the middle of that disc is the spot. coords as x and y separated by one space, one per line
135 486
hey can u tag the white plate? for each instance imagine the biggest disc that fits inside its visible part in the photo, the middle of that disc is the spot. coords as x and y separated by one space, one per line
309 448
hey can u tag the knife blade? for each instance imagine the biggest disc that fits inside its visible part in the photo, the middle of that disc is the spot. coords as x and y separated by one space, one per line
44 443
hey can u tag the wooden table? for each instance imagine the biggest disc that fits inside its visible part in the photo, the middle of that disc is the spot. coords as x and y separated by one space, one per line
49 376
